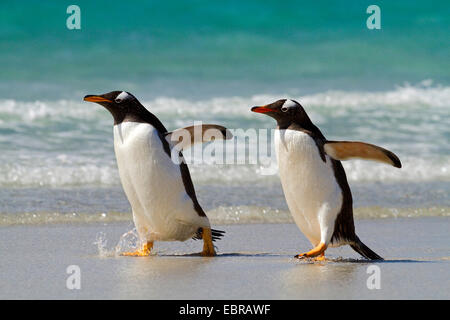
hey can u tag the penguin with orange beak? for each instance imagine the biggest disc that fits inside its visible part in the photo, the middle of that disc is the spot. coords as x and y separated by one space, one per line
154 175
314 181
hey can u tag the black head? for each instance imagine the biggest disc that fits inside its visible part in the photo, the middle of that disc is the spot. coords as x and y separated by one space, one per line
123 106
286 112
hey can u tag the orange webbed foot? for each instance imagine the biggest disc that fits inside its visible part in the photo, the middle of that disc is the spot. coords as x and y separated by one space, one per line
143 252
319 250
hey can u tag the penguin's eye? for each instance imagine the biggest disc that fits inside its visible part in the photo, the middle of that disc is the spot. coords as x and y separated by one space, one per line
122 96
288 105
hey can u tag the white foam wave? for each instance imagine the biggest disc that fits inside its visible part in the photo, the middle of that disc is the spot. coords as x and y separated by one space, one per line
69 143
414 170
406 96
29 175
410 97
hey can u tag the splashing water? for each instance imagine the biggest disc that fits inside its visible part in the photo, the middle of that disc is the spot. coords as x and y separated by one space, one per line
129 241
101 242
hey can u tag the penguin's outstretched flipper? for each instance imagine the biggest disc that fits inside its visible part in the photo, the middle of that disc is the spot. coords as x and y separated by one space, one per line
364 250
185 137
216 234
344 150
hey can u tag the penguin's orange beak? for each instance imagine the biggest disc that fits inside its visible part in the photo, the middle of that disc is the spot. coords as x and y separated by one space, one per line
262 109
92 98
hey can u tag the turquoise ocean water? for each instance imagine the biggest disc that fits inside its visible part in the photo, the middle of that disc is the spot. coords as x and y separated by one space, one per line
212 61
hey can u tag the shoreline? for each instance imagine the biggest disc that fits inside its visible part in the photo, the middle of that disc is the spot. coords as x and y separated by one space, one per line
218 216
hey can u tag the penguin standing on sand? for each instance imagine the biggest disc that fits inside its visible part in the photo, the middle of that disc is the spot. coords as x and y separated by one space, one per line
154 175
314 180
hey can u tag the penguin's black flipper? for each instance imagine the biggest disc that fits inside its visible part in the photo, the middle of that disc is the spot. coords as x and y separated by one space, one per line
216 234
364 250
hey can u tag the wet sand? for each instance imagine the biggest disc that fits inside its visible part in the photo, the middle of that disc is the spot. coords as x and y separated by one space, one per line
255 261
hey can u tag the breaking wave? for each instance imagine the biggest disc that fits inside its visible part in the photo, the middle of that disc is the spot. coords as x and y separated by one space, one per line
69 143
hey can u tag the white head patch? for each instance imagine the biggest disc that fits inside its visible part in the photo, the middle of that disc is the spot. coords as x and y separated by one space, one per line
289 104
122 96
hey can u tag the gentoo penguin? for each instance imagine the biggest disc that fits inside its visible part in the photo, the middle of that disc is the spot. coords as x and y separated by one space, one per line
154 175
314 180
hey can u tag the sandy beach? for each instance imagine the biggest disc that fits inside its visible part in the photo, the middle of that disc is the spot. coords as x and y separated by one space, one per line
255 261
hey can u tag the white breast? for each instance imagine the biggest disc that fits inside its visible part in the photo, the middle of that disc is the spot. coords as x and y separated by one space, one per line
162 210
311 190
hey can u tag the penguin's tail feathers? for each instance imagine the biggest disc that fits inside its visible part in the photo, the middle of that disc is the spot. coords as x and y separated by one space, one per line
364 250
216 234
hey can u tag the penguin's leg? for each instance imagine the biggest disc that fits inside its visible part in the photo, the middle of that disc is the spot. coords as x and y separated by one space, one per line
326 222
208 247
144 251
